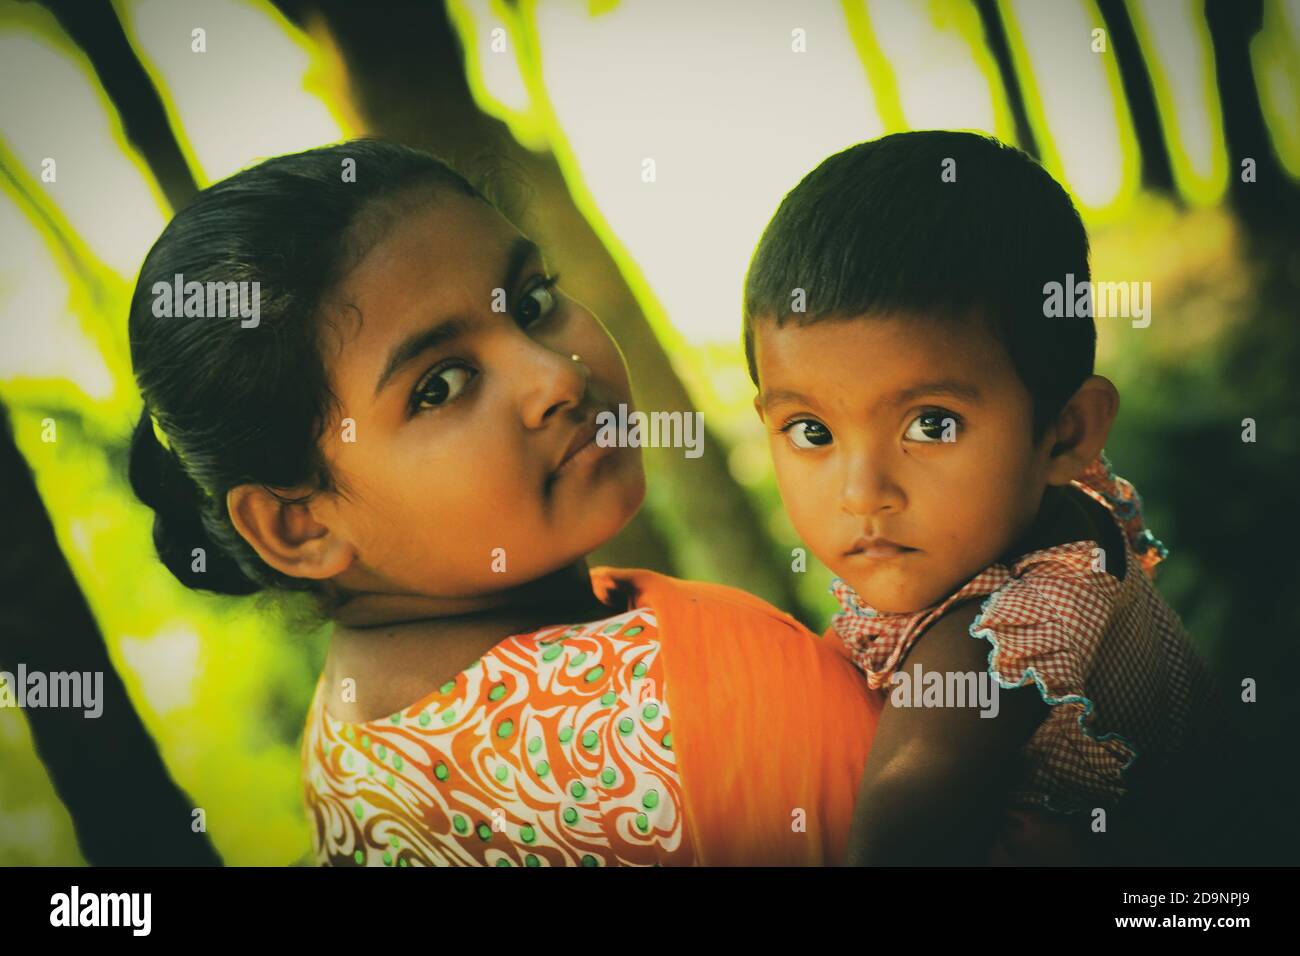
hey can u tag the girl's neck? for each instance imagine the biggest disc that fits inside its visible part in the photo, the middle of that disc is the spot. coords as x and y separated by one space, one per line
397 649
567 590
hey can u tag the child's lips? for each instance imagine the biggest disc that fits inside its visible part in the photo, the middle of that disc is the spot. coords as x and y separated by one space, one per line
877 548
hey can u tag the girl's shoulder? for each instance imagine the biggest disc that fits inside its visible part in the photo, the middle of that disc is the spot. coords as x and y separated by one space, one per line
526 651
565 732
650 715
690 603
709 628
749 686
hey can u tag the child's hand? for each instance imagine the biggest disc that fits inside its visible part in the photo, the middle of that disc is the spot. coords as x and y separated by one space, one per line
934 783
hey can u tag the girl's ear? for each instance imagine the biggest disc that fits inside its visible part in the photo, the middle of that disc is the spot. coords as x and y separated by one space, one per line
1081 430
287 536
758 407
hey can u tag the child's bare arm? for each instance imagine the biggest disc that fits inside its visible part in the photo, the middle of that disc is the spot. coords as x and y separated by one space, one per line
932 788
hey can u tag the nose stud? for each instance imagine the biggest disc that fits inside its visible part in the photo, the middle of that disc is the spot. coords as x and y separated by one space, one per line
576 358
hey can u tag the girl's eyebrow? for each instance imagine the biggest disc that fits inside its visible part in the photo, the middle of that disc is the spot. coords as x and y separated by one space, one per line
518 254
410 348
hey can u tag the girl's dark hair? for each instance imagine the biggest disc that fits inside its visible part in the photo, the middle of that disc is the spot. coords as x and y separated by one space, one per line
242 403
877 228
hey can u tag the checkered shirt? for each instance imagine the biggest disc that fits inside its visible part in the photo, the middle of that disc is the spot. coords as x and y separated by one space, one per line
1110 656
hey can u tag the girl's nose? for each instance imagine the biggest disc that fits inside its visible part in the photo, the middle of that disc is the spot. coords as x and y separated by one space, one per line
552 382
869 488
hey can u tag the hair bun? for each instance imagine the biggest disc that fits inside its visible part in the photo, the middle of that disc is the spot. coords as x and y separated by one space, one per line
161 482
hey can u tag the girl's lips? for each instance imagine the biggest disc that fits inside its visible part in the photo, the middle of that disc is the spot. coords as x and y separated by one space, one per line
584 454
580 441
576 455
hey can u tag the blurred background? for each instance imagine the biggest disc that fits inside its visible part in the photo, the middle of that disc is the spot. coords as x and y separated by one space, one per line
1175 125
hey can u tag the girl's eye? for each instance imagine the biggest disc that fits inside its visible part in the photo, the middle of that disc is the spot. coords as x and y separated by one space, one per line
806 433
538 302
441 387
933 426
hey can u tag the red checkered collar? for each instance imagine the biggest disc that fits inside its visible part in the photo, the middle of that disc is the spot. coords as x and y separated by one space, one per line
883 635
878 639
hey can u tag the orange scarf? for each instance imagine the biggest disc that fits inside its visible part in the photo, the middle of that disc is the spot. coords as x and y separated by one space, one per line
772 724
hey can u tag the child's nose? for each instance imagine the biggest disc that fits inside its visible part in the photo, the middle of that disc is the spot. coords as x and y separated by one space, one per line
869 487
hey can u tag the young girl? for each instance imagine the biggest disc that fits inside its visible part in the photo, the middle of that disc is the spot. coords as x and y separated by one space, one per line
408 433
938 443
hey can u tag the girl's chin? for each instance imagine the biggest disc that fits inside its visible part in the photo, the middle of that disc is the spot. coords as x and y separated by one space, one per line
598 522
613 481
601 518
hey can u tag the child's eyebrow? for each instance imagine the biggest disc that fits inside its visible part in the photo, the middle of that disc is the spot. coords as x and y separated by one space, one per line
953 387
778 395
518 254
956 388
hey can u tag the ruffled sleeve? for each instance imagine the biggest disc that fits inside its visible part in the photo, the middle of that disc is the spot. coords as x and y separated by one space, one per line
877 641
1045 626
1122 500
1046 617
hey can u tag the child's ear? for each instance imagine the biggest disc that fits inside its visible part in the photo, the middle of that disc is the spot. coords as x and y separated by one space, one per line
758 407
287 535
1080 431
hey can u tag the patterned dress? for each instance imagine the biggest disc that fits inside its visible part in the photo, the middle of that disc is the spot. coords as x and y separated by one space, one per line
1108 654
554 749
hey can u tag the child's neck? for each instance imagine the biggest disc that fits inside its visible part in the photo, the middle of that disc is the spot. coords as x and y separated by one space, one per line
1065 516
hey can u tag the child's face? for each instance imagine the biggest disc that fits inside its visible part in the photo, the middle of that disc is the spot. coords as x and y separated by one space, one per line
857 413
463 413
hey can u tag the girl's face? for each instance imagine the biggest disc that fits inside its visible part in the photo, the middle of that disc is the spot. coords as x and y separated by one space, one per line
913 430
461 408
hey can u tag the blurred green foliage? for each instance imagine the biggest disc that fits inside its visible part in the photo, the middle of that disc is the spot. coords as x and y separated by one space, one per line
223 684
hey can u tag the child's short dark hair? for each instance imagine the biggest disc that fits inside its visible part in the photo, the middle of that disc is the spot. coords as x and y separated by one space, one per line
879 228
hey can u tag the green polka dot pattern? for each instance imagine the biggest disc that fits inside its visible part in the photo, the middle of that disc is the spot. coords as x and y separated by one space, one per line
553 749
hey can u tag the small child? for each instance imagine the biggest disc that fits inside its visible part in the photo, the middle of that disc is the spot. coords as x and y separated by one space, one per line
938 442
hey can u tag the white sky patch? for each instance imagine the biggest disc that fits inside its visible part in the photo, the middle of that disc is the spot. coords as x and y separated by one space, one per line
732 117
1077 99
245 98
1176 31
499 68
166 664
51 106
939 83
41 335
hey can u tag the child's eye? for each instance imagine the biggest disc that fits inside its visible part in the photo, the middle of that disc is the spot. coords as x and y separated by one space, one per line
538 302
806 433
936 425
441 386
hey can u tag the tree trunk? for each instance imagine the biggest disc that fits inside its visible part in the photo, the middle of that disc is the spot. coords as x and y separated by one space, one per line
411 87
1153 152
126 809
